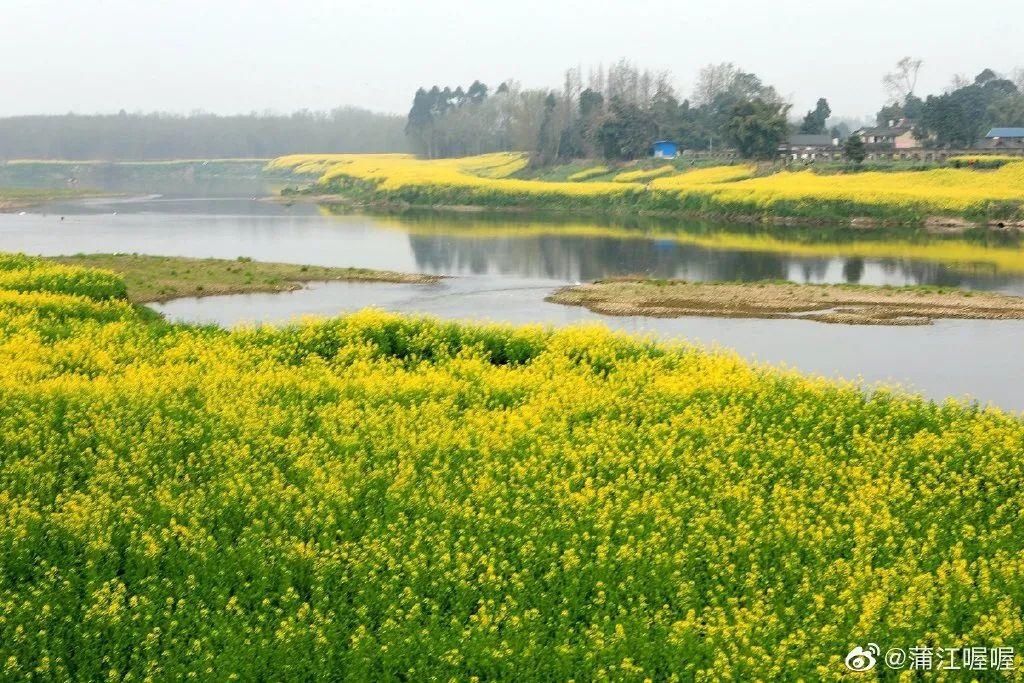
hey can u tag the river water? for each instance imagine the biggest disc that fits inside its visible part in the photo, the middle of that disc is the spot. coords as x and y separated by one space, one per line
502 267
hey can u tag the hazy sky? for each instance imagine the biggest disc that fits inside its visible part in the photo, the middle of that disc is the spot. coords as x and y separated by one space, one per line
230 56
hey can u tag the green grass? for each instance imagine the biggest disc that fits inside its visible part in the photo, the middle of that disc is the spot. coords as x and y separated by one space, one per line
158 278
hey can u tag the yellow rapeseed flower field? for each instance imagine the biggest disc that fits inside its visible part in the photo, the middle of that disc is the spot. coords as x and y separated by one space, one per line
734 190
642 175
480 175
377 497
588 173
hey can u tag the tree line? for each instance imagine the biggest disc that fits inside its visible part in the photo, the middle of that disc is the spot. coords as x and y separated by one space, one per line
125 136
614 114
961 115
617 113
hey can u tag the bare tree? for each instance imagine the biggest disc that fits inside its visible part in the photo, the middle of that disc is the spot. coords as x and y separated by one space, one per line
712 81
1018 78
957 82
902 82
573 85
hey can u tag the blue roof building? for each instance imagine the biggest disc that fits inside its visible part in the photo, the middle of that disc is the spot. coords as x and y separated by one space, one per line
1003 139
1006 133
665 149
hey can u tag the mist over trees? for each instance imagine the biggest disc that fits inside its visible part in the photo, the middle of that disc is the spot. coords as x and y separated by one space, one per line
618 112
615 114
961 115
126 136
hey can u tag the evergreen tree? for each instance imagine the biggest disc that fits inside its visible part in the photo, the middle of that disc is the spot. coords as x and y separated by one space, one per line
815 121
854 149
477 92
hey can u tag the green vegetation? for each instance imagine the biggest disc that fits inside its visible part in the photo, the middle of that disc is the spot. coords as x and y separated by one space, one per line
983 161
757 127
158 278
854 149
385 498
962 116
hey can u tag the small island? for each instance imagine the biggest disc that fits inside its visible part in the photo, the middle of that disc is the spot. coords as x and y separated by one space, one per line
849 304
152 279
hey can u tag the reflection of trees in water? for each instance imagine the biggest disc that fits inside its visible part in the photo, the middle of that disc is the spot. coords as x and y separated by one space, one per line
853 270
590 258
453 248
968 276
813 269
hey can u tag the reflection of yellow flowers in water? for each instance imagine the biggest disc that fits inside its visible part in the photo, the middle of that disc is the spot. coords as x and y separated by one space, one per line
381 497
957 254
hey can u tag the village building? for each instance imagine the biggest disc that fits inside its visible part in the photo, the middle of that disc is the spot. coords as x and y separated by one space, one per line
664 149
1003 138
899 134
809 147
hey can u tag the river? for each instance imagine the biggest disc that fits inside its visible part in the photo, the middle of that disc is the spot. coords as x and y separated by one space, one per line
502 267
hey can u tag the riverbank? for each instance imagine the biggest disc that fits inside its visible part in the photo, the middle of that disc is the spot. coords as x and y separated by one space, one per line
945 199
847 304
16 199
160 278
190 177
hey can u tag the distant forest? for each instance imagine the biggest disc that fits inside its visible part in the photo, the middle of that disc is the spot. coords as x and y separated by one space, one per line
136 137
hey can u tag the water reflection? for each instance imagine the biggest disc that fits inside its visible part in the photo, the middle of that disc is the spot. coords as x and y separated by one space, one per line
572 251
517 246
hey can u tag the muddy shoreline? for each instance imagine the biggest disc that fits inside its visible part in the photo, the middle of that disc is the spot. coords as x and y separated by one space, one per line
846 304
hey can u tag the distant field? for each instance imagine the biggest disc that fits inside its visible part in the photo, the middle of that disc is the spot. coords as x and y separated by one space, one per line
740 191
183 176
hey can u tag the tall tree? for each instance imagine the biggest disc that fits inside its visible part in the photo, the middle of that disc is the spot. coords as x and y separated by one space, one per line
902 82
627 132
712 81
854 149
550 135
758 127
477 92
815 122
